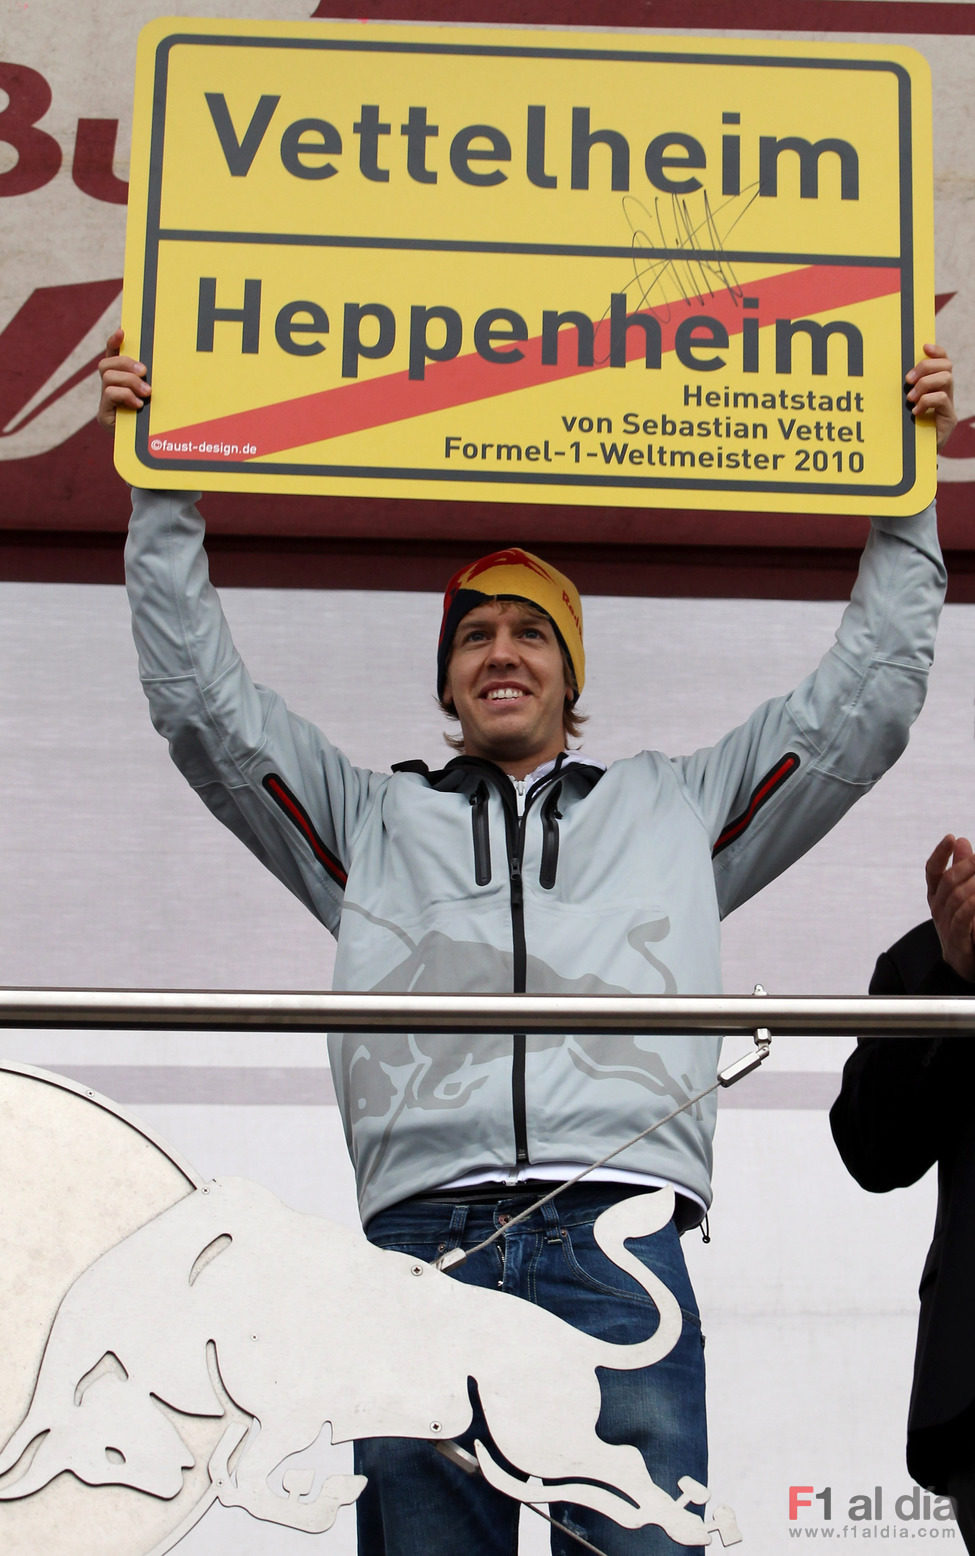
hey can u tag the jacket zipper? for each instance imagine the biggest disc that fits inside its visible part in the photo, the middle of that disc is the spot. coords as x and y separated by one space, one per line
551 816
515 834
480 825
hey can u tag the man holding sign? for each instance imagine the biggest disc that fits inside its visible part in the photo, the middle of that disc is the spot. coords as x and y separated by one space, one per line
524 866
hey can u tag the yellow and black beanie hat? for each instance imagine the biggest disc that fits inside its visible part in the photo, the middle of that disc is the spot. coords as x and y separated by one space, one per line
514 574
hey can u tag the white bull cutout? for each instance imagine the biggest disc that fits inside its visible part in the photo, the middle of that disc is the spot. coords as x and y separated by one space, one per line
301 1323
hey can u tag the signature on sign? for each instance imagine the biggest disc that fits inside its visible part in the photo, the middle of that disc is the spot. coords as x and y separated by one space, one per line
679 248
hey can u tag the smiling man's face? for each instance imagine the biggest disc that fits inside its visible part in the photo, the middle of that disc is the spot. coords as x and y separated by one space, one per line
506 680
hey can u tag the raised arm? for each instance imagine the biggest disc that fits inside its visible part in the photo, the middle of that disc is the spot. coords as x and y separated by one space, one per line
270 776
773 787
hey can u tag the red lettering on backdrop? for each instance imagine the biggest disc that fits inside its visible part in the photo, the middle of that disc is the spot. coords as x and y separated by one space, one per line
94 155
38 153
41 335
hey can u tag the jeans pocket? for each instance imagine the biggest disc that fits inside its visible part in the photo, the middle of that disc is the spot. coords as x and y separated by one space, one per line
660 1255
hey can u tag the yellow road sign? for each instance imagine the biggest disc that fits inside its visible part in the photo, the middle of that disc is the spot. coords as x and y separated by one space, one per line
512 265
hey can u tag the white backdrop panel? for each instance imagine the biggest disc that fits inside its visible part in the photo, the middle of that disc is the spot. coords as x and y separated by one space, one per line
112 873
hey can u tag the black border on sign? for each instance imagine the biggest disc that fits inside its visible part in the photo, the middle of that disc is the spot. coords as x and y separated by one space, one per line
155 235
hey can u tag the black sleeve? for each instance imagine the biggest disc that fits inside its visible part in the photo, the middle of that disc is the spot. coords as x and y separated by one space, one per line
899 1095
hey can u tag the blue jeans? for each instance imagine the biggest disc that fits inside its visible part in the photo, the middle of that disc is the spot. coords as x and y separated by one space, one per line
416 1502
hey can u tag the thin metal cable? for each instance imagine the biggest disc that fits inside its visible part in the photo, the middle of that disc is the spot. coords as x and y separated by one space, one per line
580 1539
502 1231
724 1078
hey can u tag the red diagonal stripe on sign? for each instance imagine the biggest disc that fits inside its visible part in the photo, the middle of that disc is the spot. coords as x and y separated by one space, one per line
377 402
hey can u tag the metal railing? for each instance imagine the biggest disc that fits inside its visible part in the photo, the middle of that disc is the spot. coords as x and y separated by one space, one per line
179 1009
757 1016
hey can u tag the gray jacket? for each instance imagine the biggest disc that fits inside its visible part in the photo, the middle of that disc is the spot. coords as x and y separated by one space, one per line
612 881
